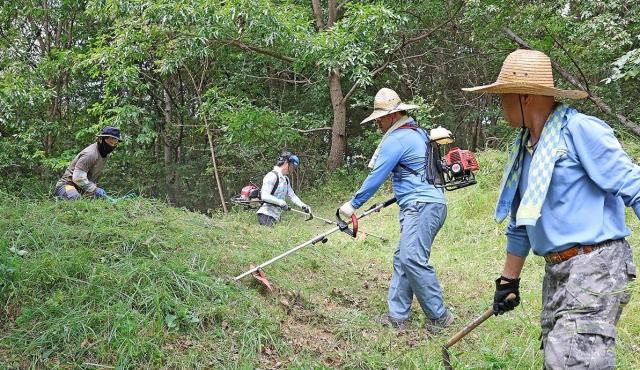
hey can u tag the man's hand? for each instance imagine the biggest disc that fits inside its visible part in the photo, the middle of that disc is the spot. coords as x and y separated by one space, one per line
347 209
306 209
504 287
285 206
100 193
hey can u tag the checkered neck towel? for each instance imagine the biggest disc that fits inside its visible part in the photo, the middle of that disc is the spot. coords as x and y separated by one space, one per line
539 172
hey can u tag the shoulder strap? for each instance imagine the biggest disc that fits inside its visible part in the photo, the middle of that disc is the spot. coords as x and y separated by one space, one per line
409 169
275 186
427 141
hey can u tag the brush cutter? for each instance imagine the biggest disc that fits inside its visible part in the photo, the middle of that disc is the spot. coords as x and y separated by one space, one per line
311 216
446 361
249 199
341 225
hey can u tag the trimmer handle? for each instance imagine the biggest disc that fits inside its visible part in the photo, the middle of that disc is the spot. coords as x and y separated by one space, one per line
344 227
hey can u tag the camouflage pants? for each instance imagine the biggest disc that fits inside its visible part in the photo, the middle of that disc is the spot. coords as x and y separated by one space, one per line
582 300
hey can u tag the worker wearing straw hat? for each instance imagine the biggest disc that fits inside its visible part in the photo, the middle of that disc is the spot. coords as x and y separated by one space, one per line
402 153
565 186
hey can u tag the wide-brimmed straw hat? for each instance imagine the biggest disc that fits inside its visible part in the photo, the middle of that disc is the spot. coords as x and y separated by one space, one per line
527 72
386 102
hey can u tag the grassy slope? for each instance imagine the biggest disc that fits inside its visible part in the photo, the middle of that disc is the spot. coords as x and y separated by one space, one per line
138 284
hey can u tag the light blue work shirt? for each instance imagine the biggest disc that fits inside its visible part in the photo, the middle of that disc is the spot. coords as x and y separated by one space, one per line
590 186
407 146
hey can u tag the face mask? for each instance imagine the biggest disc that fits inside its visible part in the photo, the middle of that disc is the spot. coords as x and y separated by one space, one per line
105 148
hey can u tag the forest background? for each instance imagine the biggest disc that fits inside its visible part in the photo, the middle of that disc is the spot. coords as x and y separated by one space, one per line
207 89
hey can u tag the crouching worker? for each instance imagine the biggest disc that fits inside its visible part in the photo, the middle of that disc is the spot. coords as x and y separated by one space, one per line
80 177
276 187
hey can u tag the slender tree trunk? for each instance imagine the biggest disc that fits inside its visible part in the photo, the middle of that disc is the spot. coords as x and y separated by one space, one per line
216 175
169 176
336 154
317 14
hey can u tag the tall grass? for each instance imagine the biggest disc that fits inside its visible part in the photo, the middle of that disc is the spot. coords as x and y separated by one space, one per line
138 284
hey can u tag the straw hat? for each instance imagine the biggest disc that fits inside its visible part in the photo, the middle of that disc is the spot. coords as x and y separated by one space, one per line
386 102
527 72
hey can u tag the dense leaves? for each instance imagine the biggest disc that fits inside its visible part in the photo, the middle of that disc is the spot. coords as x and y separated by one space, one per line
266 75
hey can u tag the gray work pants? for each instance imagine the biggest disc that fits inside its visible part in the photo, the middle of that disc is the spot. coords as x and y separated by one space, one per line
582 300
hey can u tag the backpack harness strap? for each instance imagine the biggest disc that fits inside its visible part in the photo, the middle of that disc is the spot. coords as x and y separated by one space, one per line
275 186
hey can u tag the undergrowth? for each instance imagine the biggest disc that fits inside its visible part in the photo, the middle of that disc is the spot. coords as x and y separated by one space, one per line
138 284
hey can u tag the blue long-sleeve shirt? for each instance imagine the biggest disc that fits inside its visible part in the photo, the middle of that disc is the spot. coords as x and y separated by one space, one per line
590 186
406 146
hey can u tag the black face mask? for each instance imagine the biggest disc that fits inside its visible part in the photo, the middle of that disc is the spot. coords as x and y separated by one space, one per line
104 148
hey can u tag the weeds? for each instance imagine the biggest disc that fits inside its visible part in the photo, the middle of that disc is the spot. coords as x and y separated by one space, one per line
138 284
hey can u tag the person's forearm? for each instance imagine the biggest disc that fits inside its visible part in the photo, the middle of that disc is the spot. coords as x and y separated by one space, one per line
513 266
294 198
79 178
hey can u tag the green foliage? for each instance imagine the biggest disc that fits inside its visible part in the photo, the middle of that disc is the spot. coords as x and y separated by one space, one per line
626 67
255 73
363 37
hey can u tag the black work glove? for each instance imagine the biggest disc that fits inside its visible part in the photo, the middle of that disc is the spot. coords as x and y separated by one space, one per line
503 289
306 209
285 207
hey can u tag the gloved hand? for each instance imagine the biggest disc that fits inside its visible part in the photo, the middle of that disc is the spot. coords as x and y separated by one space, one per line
306 208
100 193
285 206
347 209
504 287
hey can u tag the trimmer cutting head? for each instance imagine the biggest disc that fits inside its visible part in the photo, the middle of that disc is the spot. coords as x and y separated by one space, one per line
262 278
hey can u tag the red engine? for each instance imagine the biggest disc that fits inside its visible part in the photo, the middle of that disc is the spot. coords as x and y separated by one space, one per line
464 159
250 192
457 168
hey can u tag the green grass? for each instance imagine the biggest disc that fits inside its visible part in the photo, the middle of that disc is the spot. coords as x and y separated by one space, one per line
138 284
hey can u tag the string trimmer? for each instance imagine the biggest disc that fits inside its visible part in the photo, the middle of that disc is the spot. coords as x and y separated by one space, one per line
249 198
311 216
341 225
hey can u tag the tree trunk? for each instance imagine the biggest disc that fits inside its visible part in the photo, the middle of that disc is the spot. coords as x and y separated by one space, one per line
336 153
216 175
169 175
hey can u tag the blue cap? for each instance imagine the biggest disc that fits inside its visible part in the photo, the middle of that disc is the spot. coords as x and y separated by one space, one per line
294 160
110 131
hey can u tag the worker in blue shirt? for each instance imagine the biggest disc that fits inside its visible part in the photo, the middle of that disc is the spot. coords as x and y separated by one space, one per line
422 211
565 186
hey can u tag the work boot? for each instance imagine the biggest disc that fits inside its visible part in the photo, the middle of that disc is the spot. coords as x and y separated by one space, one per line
392 322
435 326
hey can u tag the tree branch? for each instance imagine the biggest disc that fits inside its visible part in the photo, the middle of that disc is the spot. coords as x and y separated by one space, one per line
305 81
404 44
431 31
342 4
259 50
573 80
313 130
586 82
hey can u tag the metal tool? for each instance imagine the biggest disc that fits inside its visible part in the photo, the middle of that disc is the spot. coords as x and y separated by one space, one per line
446 361
321 238
312 216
